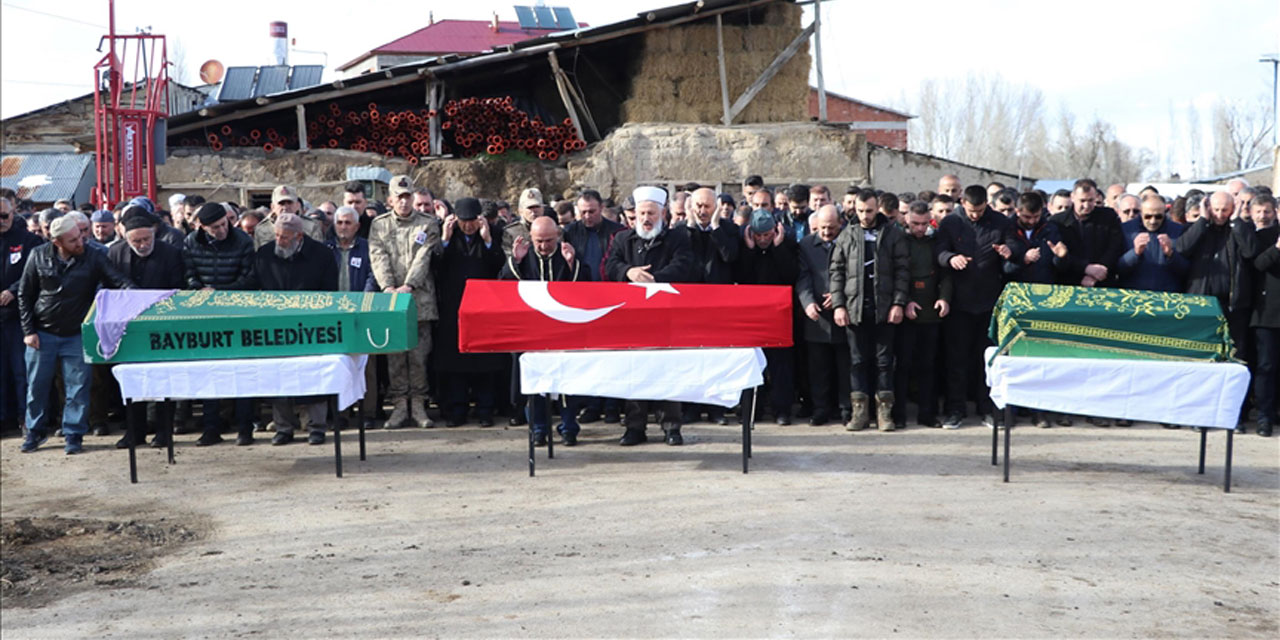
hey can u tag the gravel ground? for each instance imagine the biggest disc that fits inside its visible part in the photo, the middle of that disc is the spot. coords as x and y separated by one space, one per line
1101 533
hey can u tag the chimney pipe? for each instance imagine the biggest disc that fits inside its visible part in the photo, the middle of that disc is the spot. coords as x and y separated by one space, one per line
280 42
495 21
431 18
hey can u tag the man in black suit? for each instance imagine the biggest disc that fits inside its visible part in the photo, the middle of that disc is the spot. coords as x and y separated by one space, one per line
1266 312
716 244
150 265
828 355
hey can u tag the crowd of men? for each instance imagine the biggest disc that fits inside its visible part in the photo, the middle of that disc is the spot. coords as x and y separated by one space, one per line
893 292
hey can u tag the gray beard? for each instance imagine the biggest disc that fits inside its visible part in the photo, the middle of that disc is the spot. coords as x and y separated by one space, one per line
285 253
651 234
139 253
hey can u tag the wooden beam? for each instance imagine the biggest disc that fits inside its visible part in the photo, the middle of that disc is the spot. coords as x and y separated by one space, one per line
562 86
301 111
435 97
724 80
586 111
817 44
769 72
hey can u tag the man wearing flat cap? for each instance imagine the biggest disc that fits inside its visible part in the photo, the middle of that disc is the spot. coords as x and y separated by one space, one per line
104 226
650 252
770 257
469 252
295 262
531 208
150 264
216 256
402 246
284 199
57 288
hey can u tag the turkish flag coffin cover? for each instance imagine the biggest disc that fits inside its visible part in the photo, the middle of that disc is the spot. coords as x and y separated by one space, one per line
531 315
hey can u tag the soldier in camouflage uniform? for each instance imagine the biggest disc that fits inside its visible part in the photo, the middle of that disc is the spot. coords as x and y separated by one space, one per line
531 207
402 244
284 199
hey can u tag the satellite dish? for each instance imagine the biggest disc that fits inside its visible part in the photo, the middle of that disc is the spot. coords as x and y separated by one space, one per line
211 72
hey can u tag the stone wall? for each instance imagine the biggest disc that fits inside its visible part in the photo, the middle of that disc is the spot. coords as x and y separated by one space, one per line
676 153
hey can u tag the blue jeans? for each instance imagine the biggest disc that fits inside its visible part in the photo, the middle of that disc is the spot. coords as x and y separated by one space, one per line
539 421
41 364
13 373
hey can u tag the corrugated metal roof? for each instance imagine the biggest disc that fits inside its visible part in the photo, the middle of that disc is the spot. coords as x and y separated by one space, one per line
45 177
456 36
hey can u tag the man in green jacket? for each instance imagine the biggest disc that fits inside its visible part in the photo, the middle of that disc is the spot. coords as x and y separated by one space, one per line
929 290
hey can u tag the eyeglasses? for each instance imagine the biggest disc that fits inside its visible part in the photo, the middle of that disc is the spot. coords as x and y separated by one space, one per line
1155 217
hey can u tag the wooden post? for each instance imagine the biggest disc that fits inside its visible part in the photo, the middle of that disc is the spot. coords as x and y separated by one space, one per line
302 126
724 82
817 43
562 86
435 95
769 72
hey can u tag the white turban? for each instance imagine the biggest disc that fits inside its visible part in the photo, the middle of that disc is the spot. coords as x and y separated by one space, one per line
175 200
63 225
655 194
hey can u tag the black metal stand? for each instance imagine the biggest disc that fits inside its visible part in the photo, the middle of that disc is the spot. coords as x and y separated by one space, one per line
551 436
132 434
1204 435
167 427
748 425
1008 428
360 416
531 451
337 437
1226 472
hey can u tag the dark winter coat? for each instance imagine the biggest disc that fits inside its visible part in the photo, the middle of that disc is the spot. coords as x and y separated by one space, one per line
978 285
222 265
891 269
1236 258
54 297
1152 271
1049 268
312 268
1097 239
669 256
162 269
1266 297
16 246
457 263
812 284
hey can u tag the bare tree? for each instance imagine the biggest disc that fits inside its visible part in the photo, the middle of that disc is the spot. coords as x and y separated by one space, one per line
1241 130
178 70
1195 141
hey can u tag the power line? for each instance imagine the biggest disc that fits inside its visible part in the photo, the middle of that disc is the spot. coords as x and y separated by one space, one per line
54 15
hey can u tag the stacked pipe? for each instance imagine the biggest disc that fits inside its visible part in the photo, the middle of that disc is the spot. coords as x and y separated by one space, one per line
469 126
495 125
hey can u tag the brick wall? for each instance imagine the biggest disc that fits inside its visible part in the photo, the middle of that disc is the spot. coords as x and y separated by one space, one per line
840 109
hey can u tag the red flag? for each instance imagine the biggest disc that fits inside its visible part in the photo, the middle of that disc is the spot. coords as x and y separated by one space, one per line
530 315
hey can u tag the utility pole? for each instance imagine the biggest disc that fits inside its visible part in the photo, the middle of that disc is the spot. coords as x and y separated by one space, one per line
1274 59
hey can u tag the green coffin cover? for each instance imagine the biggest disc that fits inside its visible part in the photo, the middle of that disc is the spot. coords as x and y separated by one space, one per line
218 325
1094 322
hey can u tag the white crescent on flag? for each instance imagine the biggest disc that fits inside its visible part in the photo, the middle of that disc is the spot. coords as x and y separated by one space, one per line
535 293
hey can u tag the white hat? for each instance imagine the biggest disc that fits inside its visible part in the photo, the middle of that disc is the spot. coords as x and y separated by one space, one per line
63 224
655 194
175 200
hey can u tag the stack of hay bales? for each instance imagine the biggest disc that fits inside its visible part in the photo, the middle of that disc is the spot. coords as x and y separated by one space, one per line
677 77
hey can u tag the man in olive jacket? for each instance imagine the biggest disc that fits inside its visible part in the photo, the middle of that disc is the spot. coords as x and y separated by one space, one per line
930 291
869 274
402 245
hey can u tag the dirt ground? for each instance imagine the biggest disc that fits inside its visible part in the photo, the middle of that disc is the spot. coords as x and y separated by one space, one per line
441 533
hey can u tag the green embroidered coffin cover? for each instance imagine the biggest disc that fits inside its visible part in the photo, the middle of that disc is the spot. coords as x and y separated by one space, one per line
218 325
1095 322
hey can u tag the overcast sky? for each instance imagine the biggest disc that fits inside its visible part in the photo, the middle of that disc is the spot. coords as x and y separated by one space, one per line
1129 62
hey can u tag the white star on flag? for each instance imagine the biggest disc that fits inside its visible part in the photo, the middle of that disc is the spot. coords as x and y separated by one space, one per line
652 289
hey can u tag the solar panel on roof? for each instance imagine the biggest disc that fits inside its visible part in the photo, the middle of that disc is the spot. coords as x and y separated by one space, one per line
237 84
305 75
273 79
546 20
525 16
564 18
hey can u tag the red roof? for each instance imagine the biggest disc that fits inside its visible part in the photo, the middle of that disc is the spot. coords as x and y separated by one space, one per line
456 36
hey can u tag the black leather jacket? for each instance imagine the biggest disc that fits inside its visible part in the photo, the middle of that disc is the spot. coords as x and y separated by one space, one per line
54 296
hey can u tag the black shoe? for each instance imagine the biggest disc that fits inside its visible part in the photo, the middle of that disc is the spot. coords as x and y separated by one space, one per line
588 416
611 417
674 438
244 440
804 411
899 425
100 429
952 421
632 437
315 437
452 423
1170 426
846 415
517 421
122 443
282 437
485 422
1124 423
539 439
783 419
209 439
1241 429
159 443
818 419
1263 430
183 428
569 439
721 420
58 432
